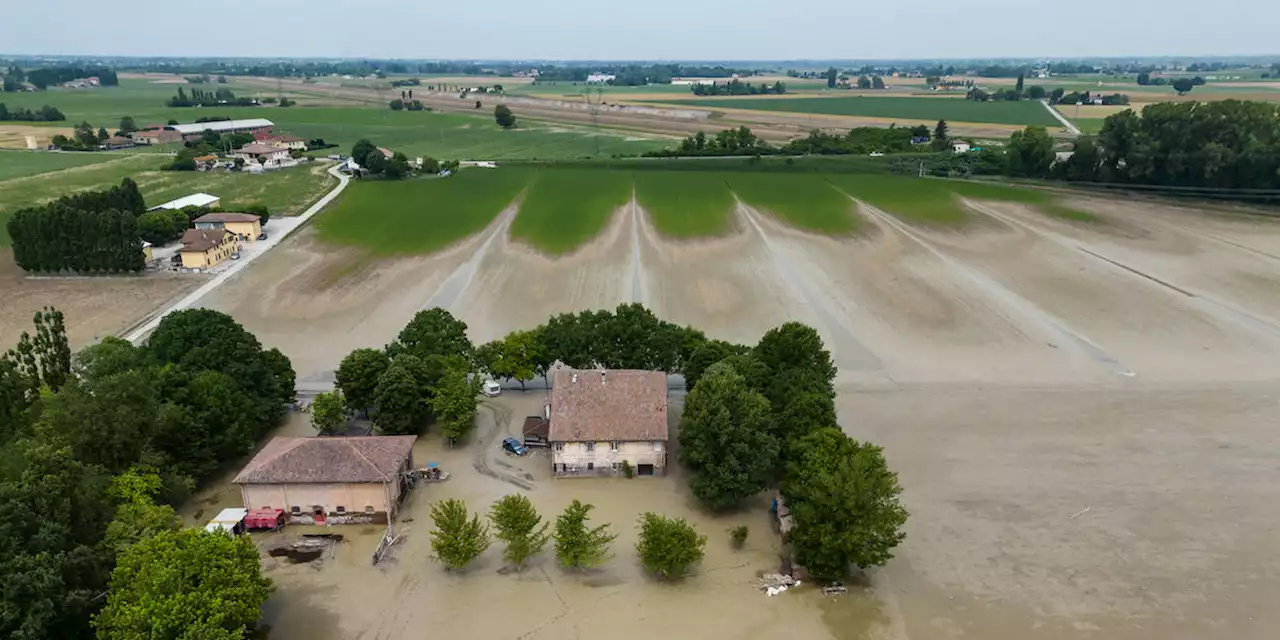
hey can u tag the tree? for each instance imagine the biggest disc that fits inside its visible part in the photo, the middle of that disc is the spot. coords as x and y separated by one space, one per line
578 547
1183 85
397 105
1029 153
940 141
1018 87
520 527
1035 92
361 149
127 125
397 167
329 413
832 74
46 358
668 547
877 82
357 377
503 116
845 504
1085 162
433 332
795 346
1144 78
456 540
454 400
725 439
138 517
704 355
864 82
183 585
398 402
260 210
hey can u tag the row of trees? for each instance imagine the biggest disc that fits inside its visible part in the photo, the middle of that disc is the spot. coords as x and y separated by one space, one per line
202 98
736 87
1181 85
84 138
42 78
20 114
91 232
859 140
373 161
93 450
667 547
401 104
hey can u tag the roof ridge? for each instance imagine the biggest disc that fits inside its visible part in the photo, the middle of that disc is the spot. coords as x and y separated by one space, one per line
360 453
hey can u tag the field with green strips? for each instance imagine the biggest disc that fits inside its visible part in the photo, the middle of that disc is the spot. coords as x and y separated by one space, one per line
18 164
565 208
420 216
285 192
949 109
686 204
805 201
935 202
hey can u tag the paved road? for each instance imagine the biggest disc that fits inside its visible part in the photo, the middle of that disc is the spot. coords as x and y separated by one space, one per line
1073 129
277 228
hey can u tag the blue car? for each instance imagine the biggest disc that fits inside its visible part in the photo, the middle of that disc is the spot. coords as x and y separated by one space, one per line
513 446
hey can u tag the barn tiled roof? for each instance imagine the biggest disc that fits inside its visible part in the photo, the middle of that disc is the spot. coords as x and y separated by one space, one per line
603 406
325 460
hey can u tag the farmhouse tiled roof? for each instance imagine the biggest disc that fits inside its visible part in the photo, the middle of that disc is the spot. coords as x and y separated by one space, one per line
226 217
608 405
328 460
201 240
256 149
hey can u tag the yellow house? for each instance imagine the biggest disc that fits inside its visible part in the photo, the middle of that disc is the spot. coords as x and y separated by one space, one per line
204 248
246 226
329 480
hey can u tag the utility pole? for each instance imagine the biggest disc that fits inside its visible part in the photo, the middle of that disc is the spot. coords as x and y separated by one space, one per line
594 107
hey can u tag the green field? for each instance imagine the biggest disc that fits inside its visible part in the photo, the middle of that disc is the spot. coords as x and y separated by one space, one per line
931 109
565 208
1045 201
935 202
690 204
803 200
420 216
285 192
18 164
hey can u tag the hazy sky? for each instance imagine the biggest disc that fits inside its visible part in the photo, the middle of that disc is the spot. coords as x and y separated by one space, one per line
641 29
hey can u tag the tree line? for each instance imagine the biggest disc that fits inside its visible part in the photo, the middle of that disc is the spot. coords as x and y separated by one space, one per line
45 77
91 232
94 450
20 114
736 87
166 225
202 98
859 140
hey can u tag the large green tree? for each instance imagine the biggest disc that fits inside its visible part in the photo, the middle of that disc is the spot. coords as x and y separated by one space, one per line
454 401
725 439
844 500
504 117
669 547
187 584
433 332
577 545
138 517
1029 153
358 376
520 527
329 413
398 401
457 539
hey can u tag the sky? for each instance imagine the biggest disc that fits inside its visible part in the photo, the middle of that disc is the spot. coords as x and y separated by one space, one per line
642 29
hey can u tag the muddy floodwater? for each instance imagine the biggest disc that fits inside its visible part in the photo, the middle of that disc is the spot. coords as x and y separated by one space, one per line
1083 417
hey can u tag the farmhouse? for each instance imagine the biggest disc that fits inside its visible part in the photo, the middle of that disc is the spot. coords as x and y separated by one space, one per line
600 78
195 130
117 142
353 480
602 419
262 154
282 141
193 200
204 248
156 136
245 226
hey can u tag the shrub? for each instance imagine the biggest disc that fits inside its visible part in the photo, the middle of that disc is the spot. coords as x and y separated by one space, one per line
739 536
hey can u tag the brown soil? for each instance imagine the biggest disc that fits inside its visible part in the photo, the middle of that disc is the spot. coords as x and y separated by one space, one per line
14 136
1053 494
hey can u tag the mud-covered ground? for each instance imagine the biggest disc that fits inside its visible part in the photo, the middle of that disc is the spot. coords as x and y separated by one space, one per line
1080 414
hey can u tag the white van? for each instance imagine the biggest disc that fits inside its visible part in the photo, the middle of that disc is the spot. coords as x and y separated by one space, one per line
491 388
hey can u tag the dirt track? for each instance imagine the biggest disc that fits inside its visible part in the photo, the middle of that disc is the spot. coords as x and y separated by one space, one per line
1080 414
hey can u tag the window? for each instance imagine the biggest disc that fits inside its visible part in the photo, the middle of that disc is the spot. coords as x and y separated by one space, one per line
559 446
591 466
591 447
657 447
340 509
368 508
617 465
613 446
295 509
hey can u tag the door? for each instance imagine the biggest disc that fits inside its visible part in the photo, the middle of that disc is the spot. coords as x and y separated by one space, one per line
644 469
319 515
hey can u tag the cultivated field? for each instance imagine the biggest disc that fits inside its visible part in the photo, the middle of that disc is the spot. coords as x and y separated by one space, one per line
19 164
909 108
564 209
1079 411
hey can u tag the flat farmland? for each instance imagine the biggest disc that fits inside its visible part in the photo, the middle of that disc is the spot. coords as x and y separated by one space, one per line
19 164
686 204
921 108
564 208
1038 383
804 201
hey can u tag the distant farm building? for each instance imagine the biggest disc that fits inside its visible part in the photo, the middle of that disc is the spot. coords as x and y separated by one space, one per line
156 136
118 142
693 81
193 200
352 480
282 141
195 130
600 78
205 248
603 420
245 226
262 154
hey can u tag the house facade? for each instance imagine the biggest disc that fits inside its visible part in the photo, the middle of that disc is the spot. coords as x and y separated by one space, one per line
246 226
262 153
602 421
205 248
320 480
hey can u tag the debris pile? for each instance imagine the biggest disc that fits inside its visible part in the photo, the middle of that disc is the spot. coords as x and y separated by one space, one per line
775 583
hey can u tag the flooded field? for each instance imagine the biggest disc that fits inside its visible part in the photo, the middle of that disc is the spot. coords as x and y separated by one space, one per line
1081 415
